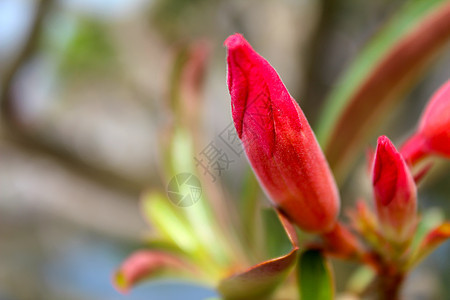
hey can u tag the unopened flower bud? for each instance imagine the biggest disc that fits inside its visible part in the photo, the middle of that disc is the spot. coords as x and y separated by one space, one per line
433 134
394 191
278 140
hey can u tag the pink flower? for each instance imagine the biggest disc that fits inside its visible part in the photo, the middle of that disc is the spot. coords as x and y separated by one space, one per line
433 134
394 191
278 140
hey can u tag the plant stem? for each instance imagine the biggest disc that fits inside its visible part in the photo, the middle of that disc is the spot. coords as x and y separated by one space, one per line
389 285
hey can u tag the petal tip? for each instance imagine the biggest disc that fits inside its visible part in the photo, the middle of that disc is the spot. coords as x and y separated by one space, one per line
234 41
385 169
385 143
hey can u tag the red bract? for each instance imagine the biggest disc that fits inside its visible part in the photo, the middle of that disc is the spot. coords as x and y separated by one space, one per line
394 191
433 134
278 140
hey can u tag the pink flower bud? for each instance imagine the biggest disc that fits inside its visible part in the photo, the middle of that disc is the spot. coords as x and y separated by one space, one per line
433 134
278 140
394 191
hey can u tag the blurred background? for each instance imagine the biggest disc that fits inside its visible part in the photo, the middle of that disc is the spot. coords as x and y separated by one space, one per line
84 91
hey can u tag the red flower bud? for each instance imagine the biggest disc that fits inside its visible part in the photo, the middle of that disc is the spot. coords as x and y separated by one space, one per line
394 191
433 134
278 140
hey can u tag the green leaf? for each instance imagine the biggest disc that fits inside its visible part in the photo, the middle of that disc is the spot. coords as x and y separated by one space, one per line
177 227
315 278
431 241
89 50
277 243
429 220
169 221
259 281
180 153
379 77
251 229
360 280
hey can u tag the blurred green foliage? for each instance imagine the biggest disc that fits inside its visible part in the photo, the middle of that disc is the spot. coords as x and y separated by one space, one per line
315 276
90 51
180 19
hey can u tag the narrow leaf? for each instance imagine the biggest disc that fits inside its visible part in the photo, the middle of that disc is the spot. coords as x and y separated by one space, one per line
143 264
169 222
251 219
315 278
430 219
200 215
360 280
259 281
379 77
277 243
183 227
432 240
